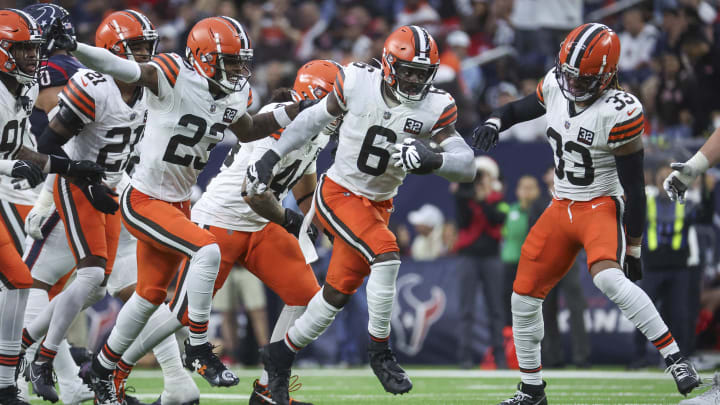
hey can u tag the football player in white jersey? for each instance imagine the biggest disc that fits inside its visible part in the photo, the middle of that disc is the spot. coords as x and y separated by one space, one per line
102 118
388 113
251 230
21 40
595 129
190 104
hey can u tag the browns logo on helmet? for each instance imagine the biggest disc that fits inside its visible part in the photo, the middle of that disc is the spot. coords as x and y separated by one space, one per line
220 50
409 63
587 61
20 43
122 31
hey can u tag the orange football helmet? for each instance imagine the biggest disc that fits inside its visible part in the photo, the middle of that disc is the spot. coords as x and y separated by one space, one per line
315 79
120 29
409 63
19 34
587 62
220 50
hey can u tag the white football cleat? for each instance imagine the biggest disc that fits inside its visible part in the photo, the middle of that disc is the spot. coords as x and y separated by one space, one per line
23 388
709 397
75 393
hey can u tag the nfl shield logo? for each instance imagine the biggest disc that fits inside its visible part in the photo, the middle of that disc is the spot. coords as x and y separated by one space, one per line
213 108
387 115
567 124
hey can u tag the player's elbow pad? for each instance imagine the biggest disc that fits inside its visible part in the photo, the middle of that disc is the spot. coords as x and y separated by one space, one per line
307 124
632 179
457 162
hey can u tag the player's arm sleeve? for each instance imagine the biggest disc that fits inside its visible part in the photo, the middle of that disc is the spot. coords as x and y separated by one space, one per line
629 125
102 60
307 124
457 164
632 179
526 109
168 67
64 125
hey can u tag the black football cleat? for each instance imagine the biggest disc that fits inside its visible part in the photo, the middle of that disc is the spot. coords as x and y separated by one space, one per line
41 378
683 372
10 395
278 360
261 393
101 384
385 366
202 360
528 395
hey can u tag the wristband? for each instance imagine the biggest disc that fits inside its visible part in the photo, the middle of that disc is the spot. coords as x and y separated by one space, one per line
634 251
495 121
281 116
6 166
57 164
699 163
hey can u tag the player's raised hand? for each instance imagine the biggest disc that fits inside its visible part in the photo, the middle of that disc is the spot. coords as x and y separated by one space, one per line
63 39
415 157
486 136
260 173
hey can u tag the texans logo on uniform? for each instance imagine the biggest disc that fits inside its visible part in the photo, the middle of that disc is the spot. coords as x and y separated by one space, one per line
412 126
230 114
585 136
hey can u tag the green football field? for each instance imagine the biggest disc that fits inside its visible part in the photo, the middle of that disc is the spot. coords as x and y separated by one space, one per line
441 386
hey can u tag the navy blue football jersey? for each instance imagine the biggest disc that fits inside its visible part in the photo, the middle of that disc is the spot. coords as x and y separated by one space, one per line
58 70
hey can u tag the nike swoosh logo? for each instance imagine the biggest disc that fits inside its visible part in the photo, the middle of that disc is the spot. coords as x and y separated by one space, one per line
597 205
631 111
82 79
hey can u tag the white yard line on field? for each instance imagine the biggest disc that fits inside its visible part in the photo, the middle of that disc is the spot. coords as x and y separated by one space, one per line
428 373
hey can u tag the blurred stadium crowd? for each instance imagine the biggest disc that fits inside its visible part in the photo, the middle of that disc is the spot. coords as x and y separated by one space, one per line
492 52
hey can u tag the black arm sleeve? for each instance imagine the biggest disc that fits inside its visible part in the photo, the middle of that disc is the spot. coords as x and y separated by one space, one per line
51 142
525 109
630 173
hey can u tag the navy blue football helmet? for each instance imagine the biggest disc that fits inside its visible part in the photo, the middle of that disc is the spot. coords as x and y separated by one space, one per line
53 19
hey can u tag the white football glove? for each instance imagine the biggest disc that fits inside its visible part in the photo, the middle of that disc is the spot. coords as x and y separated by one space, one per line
260 173
39 214
413 156
684 174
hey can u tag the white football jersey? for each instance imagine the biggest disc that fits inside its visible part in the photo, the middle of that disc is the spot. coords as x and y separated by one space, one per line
15 126
112 127
583 141
222 204
370 128
184 124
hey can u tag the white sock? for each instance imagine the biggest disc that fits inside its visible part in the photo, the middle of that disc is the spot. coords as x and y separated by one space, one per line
203 270
287 318
637 307
65 367
130 321
37 304
161 325
38 327
310 325
380 297
12 303
528 330
167 354
70 302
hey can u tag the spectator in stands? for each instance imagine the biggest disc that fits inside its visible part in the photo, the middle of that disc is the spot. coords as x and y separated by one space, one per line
703 58
428 222
638 39
674 24
666 250
673 99
464 83
479 218
553 351
419 12
555 18
514 231
242 288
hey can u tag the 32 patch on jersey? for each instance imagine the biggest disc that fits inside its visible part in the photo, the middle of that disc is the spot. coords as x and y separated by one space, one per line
413 127
230 114
585 136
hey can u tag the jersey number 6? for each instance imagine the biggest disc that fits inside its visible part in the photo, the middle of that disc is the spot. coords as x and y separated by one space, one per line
381 155
588 176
